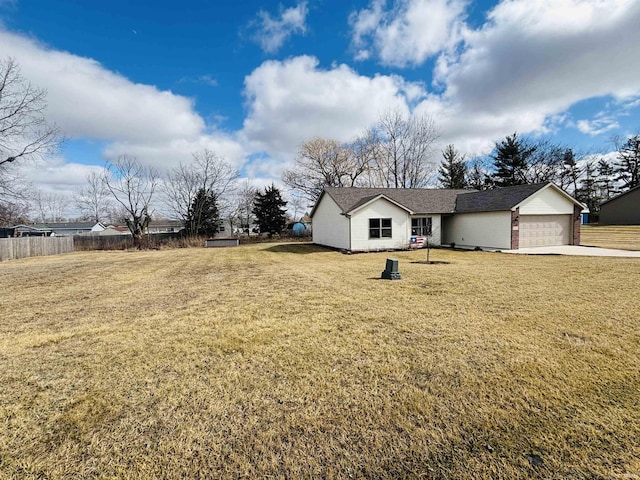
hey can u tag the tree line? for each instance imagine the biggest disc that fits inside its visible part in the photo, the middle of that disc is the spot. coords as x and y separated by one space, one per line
199 193
399 151
518 160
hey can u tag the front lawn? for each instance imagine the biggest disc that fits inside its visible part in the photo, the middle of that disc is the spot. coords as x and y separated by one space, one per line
290 361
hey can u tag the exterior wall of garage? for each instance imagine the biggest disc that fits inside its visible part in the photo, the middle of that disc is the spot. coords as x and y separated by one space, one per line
482 229
547 201
329 226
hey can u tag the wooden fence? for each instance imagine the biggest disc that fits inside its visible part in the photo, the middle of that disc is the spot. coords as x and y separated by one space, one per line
14 248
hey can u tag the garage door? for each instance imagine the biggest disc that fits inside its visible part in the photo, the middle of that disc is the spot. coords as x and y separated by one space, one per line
541 230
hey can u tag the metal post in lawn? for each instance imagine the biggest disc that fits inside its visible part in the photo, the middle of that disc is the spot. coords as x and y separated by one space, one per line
428 247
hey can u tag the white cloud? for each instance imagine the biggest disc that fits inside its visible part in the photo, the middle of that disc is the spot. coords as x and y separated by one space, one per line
87 100
409 32
169 154
533 60
272 32
597 126
295 100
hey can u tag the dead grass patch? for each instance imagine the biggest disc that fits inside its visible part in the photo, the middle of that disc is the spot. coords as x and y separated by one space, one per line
625 237
286 361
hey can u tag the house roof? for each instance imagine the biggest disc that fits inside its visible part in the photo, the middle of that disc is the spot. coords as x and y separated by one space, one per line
416 200
66 225
621 195
31 228
166 223
503 198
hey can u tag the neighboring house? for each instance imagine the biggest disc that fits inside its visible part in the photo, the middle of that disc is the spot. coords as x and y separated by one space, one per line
57 229
369 219
113 230
30 231
165 226
73 228
621 210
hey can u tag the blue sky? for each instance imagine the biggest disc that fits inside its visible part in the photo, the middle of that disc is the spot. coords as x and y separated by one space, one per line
252 80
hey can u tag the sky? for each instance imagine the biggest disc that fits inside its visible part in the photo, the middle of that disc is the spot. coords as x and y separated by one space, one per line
252 80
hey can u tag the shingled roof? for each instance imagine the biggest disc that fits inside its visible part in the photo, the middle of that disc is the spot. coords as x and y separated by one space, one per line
503 198
417 200
422 200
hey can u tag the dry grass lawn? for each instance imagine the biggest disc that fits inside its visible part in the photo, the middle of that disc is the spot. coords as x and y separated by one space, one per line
625 237
289 361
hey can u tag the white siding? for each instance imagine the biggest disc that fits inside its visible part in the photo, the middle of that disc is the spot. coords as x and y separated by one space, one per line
483 229
381 208
547 201
329 226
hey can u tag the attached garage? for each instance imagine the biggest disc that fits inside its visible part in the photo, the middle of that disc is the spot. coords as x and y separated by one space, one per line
538 215
545 230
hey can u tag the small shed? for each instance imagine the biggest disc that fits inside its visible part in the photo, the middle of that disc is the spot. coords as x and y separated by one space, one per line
622 210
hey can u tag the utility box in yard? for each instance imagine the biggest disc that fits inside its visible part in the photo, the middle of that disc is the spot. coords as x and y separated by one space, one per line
391 270
221 242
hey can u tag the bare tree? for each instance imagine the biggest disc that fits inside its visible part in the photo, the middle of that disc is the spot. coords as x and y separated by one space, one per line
320 162
407 145
239 211
24 132
207 172
545 164
50 207
298 205
13 212
132 186
93 200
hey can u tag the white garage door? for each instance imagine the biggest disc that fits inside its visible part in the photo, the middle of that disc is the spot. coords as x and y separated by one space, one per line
541 230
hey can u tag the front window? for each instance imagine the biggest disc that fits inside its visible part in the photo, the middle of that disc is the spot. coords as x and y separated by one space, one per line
421 226
379 228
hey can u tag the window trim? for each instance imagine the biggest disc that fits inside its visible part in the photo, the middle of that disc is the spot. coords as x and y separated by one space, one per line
427 224
384 228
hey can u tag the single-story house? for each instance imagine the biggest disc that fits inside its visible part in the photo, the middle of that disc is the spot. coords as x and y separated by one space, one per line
57 229
621 210
165 226
370 219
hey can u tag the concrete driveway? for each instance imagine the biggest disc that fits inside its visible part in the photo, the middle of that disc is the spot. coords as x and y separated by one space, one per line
575 250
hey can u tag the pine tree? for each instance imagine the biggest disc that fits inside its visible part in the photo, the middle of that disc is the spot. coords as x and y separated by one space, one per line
587 192
203 217
269 210
511 161
627 167
477 176
605 180
453 169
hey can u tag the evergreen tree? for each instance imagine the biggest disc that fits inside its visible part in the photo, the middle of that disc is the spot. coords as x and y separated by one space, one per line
627 167
477 176
453 169
269 210
587 193
203 217
511 161
605 180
